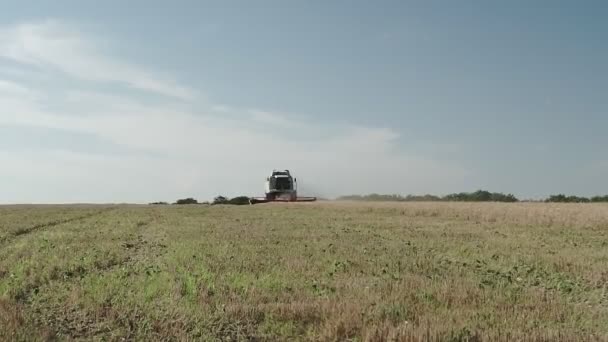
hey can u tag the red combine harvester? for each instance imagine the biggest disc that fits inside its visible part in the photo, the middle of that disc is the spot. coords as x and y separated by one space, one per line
281 187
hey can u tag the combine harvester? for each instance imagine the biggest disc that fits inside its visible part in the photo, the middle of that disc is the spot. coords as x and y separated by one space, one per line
281 187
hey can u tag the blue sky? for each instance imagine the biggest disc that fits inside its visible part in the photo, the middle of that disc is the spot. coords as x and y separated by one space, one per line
108 102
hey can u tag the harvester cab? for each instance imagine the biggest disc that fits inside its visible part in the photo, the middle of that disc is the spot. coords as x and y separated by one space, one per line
280 185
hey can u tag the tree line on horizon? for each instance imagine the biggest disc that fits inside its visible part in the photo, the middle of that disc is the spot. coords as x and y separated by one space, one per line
561 198
477 196
239 200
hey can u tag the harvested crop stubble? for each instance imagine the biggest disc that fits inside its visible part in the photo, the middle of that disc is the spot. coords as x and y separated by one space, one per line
307 271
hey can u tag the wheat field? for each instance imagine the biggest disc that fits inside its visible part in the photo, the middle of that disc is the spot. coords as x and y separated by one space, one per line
324 271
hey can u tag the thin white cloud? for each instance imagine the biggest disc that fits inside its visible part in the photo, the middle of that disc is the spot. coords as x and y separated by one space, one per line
198 150
51 44
8 87
269 118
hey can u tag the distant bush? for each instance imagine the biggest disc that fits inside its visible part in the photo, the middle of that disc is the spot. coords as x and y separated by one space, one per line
220 200
561 198
188 200
240 200
158 203
389 198
599 198
481 196
431 198
477 196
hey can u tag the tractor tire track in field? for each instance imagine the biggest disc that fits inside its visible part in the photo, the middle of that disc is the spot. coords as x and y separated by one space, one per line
134 247
85 324
40 226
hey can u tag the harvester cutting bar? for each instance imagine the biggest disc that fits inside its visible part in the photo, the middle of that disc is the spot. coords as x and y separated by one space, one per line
255 200
306 199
